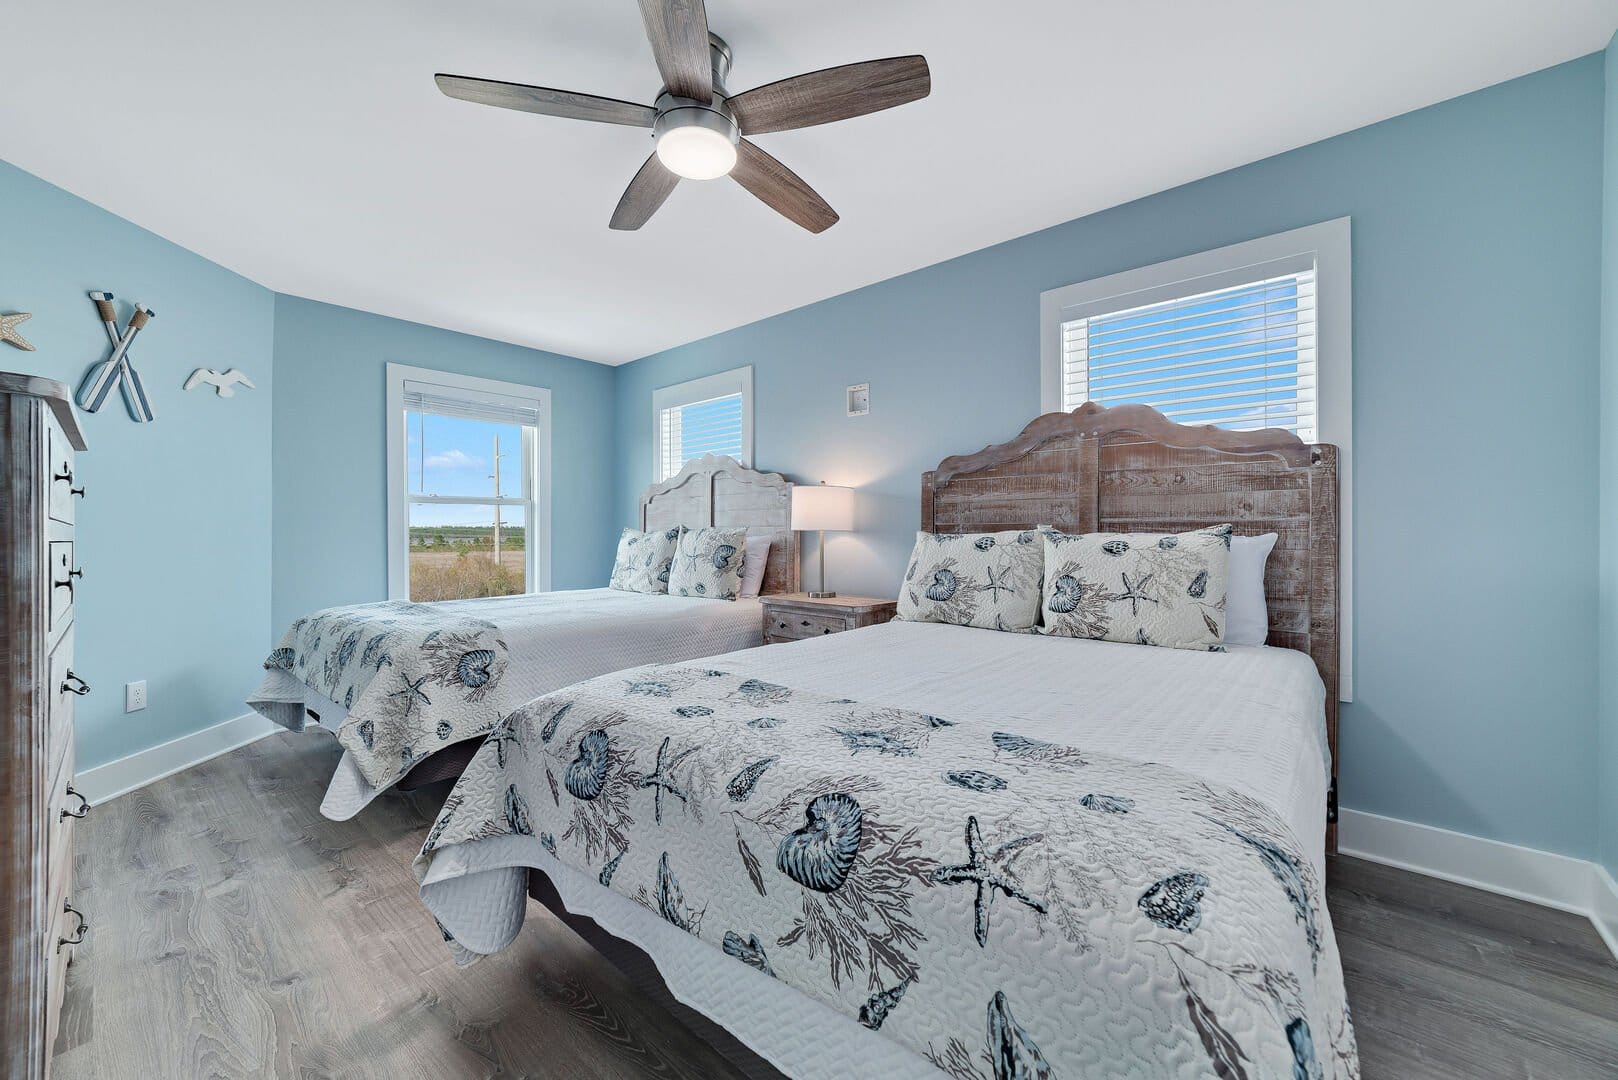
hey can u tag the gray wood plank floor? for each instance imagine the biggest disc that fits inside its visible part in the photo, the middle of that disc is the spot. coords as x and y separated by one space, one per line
236 932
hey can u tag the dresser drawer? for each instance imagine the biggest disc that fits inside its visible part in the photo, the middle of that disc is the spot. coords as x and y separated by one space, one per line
793 625
65 927
59 725
59 463
56 986
62 584
63 809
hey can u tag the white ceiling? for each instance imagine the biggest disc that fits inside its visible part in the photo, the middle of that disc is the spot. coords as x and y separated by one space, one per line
303 143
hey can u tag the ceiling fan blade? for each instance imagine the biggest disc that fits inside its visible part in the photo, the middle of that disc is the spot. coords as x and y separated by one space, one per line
832 94
781 189
678 31
540 99
644 195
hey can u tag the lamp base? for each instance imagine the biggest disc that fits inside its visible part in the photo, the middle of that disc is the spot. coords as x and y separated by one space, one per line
822 595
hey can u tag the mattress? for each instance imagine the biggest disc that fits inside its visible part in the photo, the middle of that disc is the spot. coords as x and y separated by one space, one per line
1251 720
549 640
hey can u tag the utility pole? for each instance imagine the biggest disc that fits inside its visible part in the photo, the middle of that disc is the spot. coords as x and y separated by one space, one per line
497 504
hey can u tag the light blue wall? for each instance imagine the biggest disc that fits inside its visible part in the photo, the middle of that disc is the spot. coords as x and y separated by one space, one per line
1607 659
174 533
1476 261
330 440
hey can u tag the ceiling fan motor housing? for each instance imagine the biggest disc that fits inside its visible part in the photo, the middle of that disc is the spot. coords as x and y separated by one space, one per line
678 112
682 114
673 112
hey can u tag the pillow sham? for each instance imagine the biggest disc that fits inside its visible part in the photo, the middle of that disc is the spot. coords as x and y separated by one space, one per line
990 580
1247 609
708 562
753 566
1142 588
642 562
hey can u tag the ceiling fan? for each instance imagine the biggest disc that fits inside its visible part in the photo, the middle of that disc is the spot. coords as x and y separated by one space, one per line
700 128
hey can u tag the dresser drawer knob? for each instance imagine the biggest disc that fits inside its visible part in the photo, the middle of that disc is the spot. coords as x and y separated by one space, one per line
66 475
76 491
68 688
78 935
84 805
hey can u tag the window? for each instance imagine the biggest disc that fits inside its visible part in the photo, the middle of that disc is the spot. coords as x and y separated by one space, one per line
705 416
468 487
1253 335
1242 356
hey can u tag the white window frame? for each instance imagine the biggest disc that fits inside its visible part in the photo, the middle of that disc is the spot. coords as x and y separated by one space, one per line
735 381
536 449
1329 244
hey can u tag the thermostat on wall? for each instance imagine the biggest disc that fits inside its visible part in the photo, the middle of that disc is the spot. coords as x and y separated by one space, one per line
859 399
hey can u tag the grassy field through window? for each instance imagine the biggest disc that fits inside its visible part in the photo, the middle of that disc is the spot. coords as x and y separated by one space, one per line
459 563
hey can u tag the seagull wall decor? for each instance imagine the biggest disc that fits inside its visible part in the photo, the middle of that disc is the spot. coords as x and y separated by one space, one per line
223 381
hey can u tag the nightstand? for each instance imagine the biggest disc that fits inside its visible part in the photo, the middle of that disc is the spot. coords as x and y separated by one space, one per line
795 616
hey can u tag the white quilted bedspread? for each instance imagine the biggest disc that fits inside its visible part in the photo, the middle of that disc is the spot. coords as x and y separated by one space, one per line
995 855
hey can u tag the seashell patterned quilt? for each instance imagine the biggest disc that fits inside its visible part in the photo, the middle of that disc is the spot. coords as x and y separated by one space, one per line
1002 905
413 677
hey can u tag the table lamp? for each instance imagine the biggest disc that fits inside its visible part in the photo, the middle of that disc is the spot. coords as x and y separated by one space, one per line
819 507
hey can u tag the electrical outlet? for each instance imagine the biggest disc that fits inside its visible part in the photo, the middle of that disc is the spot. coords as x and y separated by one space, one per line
135 696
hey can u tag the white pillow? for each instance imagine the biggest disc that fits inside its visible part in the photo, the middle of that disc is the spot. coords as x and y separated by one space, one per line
755 559
1247 612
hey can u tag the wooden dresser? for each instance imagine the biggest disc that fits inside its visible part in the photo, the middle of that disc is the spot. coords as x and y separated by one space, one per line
795 616
38 579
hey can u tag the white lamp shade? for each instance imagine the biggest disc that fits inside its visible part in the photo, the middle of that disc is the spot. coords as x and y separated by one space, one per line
820 506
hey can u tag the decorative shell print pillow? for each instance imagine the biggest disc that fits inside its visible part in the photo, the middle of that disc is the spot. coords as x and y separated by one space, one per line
643 561
1141 588
708 562
991 580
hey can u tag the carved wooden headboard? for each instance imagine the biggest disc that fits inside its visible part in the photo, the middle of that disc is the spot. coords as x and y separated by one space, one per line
721 491
1131 469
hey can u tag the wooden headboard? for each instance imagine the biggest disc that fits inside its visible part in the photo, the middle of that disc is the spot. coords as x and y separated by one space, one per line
719 490
1131 469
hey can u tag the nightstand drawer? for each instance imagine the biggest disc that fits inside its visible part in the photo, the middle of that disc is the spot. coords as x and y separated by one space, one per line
797 616
792 625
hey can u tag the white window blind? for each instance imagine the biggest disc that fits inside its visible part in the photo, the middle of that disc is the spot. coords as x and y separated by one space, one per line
691 430
425 397
1240 356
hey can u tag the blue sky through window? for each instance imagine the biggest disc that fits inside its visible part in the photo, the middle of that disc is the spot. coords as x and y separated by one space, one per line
450 455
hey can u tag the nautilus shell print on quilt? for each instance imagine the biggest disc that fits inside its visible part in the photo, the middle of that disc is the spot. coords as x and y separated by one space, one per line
991 580
412 677
1141 588
954 884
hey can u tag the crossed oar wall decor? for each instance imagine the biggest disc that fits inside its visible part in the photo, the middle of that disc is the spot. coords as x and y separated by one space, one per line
119 367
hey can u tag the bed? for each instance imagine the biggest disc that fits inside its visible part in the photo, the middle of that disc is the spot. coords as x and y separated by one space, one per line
410 689
955 850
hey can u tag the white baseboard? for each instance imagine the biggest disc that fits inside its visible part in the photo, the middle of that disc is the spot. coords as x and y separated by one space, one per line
1604 911
120 777
1540 877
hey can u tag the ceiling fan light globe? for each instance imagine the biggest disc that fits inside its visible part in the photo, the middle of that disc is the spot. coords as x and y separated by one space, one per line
696 153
